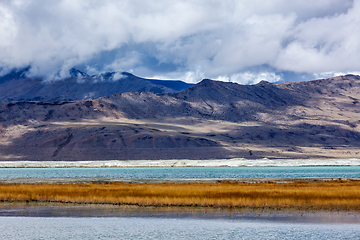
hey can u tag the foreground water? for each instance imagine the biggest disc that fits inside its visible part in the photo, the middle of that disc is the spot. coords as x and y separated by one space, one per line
185 173
169 228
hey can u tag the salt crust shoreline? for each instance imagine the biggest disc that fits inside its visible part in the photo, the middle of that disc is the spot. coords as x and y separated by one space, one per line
235 162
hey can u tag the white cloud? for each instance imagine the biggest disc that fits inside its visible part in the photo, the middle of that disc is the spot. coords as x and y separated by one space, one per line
250 77
324 45
186 39
325 75
190 77
118 76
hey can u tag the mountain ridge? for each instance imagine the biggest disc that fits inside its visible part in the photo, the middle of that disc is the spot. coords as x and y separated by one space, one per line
212 119
15 86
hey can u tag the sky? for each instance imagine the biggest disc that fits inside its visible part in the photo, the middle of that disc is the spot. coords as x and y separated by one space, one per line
243 41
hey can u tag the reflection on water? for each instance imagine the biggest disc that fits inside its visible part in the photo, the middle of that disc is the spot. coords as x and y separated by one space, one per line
169 228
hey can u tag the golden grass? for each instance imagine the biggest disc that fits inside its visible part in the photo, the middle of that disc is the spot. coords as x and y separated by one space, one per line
331 195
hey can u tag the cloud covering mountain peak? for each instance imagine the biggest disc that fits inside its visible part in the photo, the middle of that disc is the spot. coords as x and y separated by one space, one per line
240 41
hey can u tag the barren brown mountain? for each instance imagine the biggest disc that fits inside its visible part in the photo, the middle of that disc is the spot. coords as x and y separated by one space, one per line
315 119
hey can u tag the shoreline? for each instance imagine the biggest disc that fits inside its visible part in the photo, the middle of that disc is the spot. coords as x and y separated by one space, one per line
235 162
158 200
296 195
282 211
89 180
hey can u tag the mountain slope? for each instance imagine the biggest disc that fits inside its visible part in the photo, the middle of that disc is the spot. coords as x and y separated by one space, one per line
80 86
212 119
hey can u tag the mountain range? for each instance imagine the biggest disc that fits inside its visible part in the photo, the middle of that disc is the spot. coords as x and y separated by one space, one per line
212 119
15 86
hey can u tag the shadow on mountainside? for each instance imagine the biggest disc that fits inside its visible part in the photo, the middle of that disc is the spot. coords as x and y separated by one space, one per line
75 130
141 141
301 135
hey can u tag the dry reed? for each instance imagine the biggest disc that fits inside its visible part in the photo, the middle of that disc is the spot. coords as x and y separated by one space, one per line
331 195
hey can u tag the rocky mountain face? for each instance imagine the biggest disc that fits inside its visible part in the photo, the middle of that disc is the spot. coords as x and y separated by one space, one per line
15 86
315 119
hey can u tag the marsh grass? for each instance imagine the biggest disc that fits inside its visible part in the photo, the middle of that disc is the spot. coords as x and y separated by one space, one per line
330 195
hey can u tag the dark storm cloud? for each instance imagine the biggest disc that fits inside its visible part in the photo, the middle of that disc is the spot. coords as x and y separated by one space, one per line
243 41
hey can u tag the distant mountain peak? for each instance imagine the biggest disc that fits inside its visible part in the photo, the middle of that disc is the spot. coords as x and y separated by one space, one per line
206 82
263 82
127 74
75 73
15 73
15 86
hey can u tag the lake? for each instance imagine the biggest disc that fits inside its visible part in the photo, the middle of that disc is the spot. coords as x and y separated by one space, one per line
185 173
170 228
77 223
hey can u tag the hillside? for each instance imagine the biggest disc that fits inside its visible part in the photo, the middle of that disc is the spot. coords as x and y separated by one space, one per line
314 119
15 86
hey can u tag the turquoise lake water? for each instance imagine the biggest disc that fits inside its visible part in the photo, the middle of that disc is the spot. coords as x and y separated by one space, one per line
185 173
